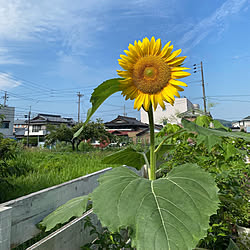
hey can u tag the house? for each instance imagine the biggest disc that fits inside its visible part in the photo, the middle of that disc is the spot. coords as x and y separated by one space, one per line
170 114
243 124
193 113
20 124
38 124
6 125
144 135
127 127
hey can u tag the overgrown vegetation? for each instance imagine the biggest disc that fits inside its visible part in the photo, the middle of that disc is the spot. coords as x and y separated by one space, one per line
217 151
42 169
91 132
224 158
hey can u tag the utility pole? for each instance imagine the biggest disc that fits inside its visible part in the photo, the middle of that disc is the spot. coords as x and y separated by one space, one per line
28 137
124 112
203 87
79 102
5 98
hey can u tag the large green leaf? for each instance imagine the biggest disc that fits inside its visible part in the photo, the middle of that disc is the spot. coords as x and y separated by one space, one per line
218 125
128 156
210 141
203 121
100 94
168 213
73 208
133 158
232 246
230 150
191 126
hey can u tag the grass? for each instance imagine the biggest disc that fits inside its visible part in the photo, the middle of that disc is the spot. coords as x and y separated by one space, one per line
46 169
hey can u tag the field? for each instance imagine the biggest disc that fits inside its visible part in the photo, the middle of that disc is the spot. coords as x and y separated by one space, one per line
41 169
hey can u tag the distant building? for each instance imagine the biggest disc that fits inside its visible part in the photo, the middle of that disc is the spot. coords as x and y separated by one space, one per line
129 127
38 125
193 113
125 126
6 125
18 124
243 124
170 114
144 135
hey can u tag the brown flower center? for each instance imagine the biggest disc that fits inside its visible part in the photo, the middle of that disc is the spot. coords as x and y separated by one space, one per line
151 74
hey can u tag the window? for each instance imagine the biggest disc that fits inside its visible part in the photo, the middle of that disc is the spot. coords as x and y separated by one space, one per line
36 128
5 124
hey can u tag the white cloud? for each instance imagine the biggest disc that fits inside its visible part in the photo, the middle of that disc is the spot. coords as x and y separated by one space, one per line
73 23
201 30
7 82
7 58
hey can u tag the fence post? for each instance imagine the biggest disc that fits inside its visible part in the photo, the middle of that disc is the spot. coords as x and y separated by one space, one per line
5 227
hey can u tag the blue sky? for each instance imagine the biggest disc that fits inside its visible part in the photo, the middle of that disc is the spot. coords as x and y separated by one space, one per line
51 49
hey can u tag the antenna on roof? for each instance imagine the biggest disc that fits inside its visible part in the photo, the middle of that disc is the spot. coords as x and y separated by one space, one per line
79 101
5 98
124 111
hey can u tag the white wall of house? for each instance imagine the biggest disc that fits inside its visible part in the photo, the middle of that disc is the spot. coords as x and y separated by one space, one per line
243 124
170 113
35 130
6 127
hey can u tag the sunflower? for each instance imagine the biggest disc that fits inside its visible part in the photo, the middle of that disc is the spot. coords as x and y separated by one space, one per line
150 73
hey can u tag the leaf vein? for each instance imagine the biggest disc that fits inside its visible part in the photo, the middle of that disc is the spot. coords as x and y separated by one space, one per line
159 211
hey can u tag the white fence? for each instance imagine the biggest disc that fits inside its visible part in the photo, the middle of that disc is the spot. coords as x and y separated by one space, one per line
18 218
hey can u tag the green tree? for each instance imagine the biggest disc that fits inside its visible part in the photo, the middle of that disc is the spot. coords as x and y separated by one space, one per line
92 131
62 133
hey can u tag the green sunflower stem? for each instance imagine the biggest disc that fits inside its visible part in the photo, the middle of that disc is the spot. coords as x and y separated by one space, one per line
152 170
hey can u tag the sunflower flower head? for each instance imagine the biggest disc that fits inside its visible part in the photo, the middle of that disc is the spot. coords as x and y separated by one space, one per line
151 73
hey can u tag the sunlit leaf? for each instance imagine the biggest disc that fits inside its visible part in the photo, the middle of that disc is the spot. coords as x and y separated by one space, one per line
73 208
168 213
232 246
203 121
100 94
128 156
191 126
210 141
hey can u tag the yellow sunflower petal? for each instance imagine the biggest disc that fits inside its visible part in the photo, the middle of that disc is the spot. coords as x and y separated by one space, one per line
127 59
134 51
177 61
179 74
157 47
154 101
145 46
131 55
167 97
130 92
126 66
151 46
160 100
179 68
138 49
165 49
139 101
178 83
146 102
167 52
173 55
124 74
174 90
179 88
